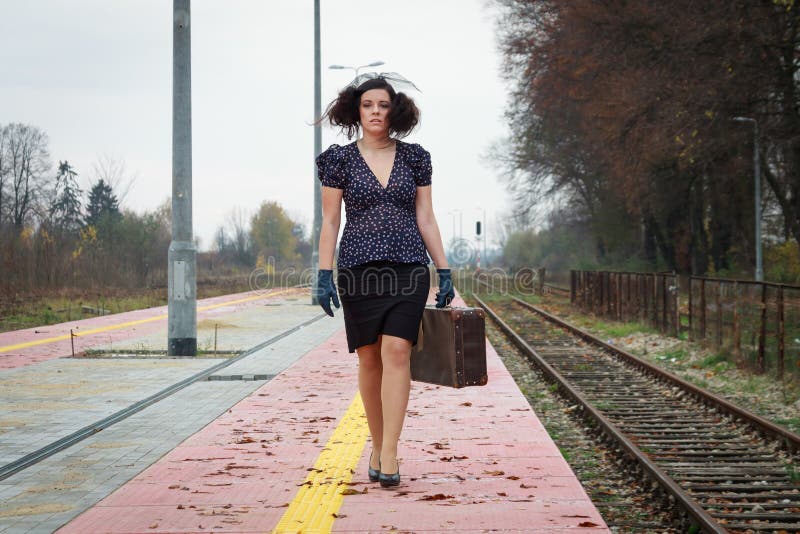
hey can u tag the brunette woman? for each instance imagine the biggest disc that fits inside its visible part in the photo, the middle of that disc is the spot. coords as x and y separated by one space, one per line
383 275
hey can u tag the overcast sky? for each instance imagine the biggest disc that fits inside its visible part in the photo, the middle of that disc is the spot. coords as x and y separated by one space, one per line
95 75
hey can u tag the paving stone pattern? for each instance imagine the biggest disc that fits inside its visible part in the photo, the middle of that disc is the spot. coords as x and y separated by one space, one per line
50 399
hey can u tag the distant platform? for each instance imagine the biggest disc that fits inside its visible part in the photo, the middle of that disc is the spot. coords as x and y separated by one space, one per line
141 329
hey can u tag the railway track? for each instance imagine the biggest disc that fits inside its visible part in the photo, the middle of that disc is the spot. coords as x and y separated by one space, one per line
727 470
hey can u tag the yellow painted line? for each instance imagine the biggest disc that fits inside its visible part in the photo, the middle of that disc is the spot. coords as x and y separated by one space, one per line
128 323
320 496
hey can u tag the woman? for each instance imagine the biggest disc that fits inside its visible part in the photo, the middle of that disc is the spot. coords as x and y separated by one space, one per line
383 274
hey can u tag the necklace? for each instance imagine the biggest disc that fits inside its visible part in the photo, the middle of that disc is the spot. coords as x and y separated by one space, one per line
390 144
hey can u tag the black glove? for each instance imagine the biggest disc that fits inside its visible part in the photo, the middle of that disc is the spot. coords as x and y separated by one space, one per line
446 293
325 290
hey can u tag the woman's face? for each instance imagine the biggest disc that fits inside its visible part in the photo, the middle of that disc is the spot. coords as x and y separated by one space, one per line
374 111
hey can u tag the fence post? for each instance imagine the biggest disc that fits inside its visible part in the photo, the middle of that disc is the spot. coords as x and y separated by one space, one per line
781 333
664 297
572 286
703 309
601 310
654 318
762 335
642 300
629 303
691 324
719 315
737 330
676 300
584 288
644 297
598 290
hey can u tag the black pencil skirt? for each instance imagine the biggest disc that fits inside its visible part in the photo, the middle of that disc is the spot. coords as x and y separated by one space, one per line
382 297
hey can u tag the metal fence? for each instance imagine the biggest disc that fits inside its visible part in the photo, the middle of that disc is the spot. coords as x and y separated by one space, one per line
758 322
651 298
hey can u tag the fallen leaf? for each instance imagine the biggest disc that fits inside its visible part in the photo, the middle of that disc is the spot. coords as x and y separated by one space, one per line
437 497
588 524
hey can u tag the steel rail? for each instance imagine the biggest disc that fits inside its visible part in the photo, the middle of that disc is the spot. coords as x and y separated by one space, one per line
683 499
52 448
788 439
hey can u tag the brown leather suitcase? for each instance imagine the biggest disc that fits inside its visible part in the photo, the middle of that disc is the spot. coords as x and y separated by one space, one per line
451 347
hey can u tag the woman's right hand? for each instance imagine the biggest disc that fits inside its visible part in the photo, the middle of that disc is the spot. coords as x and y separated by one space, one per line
325 290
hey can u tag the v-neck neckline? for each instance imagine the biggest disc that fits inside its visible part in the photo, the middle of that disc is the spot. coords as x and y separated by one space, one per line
375 176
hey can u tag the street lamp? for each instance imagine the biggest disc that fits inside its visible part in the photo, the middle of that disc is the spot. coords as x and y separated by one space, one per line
317 225
460 226
757 177
356 69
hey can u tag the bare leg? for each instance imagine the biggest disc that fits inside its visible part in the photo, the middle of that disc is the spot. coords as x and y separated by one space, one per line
395 388
370 369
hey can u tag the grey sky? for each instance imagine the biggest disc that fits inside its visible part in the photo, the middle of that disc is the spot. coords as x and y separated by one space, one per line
96 76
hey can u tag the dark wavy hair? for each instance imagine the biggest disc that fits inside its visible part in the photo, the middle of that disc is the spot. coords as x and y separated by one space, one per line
344 113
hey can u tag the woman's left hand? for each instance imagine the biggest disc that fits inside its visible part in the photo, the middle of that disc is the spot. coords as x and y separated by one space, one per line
446 293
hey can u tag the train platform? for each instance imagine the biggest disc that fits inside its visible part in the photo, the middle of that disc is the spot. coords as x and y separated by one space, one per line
279 442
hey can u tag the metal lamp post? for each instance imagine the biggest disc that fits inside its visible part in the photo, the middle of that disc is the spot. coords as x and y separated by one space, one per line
315 229
181 257
757 179
373 64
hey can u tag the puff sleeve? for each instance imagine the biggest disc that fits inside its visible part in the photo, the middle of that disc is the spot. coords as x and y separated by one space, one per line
331 167
419 160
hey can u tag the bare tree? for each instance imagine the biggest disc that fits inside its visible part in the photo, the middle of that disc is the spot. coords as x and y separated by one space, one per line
28 162
240 236
113 172
4 171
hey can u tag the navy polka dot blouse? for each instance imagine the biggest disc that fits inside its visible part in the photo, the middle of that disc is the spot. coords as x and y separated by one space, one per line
381 222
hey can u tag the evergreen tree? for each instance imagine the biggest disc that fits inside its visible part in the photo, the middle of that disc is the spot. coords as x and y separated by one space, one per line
103 204
66 210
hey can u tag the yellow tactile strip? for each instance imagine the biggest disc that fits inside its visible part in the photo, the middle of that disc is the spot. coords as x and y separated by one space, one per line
314 507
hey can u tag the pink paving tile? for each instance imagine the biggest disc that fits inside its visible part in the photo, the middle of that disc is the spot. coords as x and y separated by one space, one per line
372 515
471 459
171 519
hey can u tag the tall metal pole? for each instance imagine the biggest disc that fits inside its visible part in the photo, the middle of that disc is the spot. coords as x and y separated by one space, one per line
182 262
757 174
485 259
757 179
317 149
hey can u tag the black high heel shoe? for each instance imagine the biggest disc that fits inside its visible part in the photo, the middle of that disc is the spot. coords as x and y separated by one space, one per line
389 480
374 474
